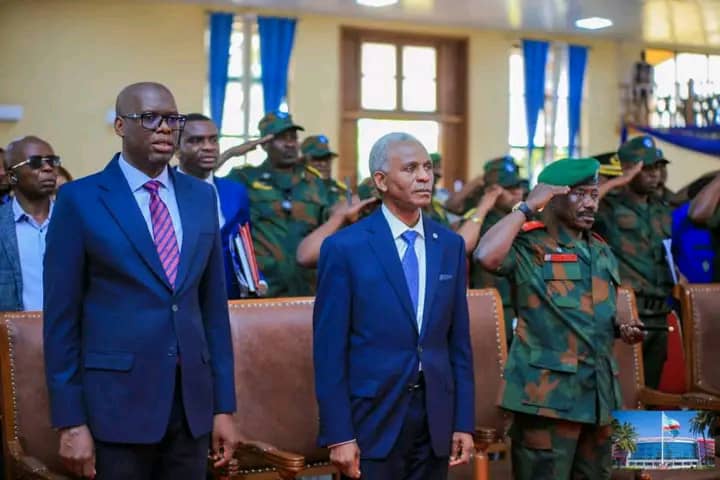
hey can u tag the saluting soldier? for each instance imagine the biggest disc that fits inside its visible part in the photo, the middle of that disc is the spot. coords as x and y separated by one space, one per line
560 376
287 202
318 157
635 221
503 190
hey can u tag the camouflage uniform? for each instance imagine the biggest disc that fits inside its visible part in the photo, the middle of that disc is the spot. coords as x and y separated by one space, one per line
635 232
317 146
561 378
285 206
437 212
506 173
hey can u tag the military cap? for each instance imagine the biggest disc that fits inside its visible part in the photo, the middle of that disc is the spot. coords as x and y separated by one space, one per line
639 149
435 158
661 156
569 172
366 189
609 164
276 122
502 171
317 146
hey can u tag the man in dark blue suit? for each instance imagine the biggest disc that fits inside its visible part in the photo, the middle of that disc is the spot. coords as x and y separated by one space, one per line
198 156
393 364
138 355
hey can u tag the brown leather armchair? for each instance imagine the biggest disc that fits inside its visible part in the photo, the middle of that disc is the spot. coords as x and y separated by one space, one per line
487 335
636 394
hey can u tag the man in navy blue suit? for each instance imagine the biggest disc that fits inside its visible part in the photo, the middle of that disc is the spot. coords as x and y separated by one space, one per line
138 355
198 156
393 363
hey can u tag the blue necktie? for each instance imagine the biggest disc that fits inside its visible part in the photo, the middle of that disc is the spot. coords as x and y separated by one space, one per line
410 266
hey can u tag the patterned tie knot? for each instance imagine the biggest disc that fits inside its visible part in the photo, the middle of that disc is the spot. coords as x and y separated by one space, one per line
409 236
152 186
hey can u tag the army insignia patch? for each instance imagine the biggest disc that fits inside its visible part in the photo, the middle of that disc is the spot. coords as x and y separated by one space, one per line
561 257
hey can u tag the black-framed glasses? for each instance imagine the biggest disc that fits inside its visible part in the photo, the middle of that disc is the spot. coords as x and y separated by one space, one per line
152 120
37 161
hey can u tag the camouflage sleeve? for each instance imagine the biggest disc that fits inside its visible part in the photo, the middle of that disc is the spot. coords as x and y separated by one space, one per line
601 225
513 257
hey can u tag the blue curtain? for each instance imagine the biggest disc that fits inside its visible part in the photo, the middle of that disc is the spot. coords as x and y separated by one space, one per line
577 61
276 42
697 139
535 57
220 30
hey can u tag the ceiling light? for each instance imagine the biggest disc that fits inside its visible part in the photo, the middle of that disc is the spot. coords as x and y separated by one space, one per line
376 3
593 23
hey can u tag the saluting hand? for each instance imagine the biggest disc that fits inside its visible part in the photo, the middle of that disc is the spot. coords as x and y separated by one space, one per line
489 198
542 194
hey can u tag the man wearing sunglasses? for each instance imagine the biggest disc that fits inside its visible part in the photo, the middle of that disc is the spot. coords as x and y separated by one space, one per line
30 164
139 360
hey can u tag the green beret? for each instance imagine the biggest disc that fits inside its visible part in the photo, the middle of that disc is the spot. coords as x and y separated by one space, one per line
570 172
435 158
276 122
503 171
317 146
609 164
639 149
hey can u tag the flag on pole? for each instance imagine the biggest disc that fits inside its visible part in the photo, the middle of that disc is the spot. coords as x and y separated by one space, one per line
670 425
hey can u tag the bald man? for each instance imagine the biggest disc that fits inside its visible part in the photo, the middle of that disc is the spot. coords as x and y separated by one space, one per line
139 361
30 163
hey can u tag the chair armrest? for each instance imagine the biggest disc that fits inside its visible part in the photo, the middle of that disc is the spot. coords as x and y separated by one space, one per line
279 459
691 400
31 467
287 464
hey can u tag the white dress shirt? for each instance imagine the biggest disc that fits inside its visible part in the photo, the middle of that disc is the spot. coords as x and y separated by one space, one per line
211 180
397 227
137 179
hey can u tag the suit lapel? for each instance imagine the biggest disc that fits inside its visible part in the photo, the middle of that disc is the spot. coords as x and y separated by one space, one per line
383 244
190 213
8 242
120 202
433 258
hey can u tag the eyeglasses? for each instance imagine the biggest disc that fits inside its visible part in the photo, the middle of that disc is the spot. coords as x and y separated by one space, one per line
36 161
152 120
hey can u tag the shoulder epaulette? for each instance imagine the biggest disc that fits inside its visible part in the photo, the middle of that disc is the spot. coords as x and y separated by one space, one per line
313 170
341 185
467 215
598 237
257 185
532 225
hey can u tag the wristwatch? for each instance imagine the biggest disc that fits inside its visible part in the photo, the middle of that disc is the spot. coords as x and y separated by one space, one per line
525 209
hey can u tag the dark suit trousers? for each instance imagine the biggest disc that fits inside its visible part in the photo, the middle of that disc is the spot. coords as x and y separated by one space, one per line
412 457
177 456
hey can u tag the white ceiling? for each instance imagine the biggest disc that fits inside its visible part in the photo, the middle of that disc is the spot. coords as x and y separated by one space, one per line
670 22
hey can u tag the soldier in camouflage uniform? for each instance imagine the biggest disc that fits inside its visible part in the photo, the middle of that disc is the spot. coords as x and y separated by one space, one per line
318 157
635 222
504 173
287 202
560 377
436 210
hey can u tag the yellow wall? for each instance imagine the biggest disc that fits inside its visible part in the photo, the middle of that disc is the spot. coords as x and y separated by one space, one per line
65 60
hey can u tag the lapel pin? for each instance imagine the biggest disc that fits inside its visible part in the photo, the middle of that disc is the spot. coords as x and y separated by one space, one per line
435 236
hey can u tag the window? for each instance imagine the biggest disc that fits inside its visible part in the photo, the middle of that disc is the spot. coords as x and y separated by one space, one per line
556 100
672 74
244 94
392 82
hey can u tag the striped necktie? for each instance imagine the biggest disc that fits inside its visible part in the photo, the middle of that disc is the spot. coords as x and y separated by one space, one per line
163 232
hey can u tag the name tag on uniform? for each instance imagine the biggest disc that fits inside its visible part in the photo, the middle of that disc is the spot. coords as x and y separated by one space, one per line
561 257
